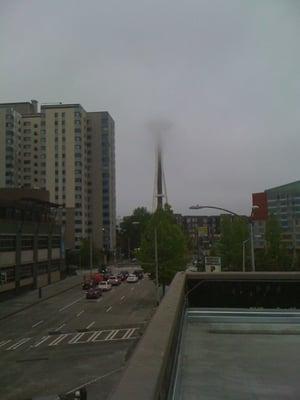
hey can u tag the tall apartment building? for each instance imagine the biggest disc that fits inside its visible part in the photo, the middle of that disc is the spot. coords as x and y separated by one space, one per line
69 152
283 202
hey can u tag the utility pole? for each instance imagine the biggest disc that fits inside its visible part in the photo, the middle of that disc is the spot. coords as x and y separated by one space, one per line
156 266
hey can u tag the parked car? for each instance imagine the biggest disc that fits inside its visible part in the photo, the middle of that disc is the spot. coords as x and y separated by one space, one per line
139 273
114 280
86 285
122 277
94 293
105 286
132 278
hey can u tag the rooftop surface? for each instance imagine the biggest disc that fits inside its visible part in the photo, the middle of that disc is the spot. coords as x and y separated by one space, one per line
239 354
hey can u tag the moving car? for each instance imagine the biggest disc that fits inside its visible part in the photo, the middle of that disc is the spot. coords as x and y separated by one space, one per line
132 278
104 286
114 280
94 293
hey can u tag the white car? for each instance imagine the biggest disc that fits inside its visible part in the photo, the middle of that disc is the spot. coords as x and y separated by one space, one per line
131 278
105 286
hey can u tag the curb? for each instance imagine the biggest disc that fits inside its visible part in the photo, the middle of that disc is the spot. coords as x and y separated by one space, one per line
37 302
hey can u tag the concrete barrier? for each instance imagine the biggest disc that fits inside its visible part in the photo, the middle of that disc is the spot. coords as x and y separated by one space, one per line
148 372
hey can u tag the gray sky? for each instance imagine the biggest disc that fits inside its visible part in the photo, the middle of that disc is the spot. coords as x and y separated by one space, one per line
223 77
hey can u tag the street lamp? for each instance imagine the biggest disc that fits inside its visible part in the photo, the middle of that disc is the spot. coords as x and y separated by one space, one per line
248 219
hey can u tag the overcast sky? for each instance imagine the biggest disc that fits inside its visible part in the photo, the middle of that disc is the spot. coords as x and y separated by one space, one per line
222 78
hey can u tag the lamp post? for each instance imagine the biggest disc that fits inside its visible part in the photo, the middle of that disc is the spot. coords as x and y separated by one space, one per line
244 254
248 219
156 266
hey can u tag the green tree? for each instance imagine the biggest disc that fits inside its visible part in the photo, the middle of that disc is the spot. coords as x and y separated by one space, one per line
132 228
171 246
276 254
234 231
85 254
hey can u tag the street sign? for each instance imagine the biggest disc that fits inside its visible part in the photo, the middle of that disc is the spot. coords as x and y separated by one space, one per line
213 264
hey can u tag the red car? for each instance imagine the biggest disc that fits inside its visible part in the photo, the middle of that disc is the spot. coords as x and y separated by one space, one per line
93 293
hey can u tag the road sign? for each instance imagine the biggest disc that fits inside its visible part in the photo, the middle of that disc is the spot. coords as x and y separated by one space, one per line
213 264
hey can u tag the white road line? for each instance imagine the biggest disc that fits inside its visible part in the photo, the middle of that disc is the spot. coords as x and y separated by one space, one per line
59 339
100 298
111 337
95 380
129 333
61 326
123 297
69 305
94 336
109 308
90 325
76 338
18 344
38 323
78 315
4 342
111 334
44 338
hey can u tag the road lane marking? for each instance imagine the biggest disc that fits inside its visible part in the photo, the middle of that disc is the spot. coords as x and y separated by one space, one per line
94 336
76 338
123 297
4 342
129 333
111 334
78 315
59 339
109 308
96 379
90 325
38 323
69 305
61 326
18 344
111 337
100 298
44 338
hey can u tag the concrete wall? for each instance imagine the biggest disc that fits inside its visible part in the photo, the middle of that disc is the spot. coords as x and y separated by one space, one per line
149 370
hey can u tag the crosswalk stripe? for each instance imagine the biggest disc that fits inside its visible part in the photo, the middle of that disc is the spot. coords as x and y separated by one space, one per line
18 344
4 342
110 335
59 339
44 338
76 338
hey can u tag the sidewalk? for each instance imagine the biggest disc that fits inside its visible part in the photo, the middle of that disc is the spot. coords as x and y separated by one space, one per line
30 298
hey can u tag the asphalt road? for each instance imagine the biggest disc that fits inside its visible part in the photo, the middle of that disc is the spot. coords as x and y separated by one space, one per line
67 341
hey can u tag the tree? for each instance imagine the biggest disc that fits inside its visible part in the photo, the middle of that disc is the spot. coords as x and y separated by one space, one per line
85 254
234 231
276 253
171 246
131 234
